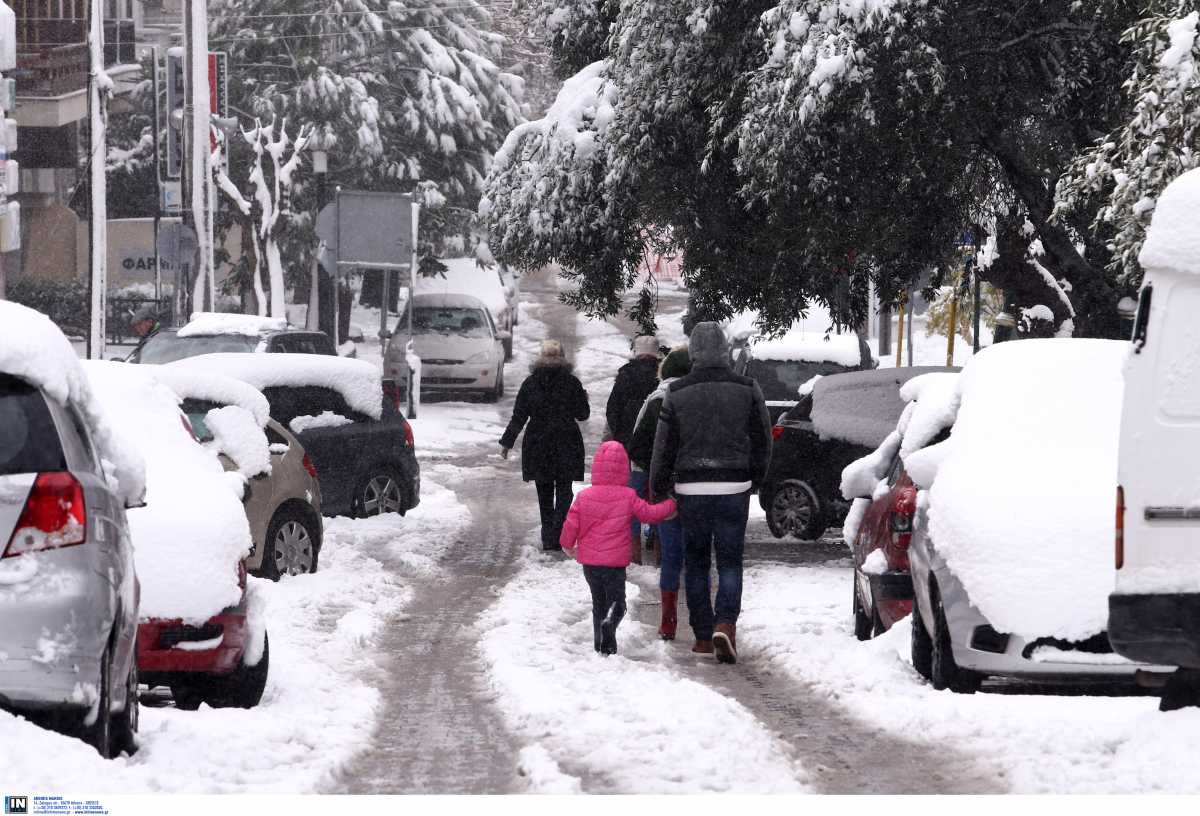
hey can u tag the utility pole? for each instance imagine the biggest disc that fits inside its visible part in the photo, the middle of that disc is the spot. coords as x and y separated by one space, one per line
197 112
98 87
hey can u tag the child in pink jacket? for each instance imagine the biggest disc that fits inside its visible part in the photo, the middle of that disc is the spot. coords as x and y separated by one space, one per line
597 533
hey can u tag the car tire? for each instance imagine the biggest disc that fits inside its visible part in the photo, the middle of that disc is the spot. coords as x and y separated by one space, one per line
922 646
508 349
244 688
944 671
794 509
497 391
1182 691
373 497
125 726
292 546
100 733
864 627
188 696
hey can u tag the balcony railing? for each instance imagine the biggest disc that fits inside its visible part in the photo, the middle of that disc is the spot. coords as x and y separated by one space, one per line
52 55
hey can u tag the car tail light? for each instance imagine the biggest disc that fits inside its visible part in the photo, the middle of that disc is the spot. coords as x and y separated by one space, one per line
1120 536
309 466
776 432
54 516
408 434
900 517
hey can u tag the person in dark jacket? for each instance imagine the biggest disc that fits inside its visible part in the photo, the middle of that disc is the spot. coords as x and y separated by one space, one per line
635 381
641 451
713 445
551 401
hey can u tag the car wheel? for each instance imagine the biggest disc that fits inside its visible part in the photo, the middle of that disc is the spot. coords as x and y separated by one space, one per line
125 726
944 671
497 390
863 625
1182 690
291 547
380 493
188 697
508 349
244 688
99 734
795 510
922 646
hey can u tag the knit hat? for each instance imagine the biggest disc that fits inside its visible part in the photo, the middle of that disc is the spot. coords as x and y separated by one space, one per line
645 345
676 364
552 348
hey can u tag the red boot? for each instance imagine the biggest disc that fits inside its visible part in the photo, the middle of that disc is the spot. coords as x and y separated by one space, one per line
670 619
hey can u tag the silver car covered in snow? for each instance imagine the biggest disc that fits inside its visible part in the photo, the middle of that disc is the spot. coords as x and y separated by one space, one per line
68 590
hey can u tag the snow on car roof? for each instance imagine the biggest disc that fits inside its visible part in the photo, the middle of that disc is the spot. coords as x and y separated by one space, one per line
359 382
36 350
220 388
192 533
208 323
446 300
861 407
806 341
1173 240
464 276
1021 504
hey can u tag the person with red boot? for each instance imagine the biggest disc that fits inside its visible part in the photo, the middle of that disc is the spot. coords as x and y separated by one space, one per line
641 449
597 533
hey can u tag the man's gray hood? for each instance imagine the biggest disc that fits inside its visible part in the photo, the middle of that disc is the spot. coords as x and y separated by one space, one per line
708 347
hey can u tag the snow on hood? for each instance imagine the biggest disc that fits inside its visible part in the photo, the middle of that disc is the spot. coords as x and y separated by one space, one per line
192 533
209 323
449 346
1021 506
208 387
1173 240
34 349
611 465
359 382
464 276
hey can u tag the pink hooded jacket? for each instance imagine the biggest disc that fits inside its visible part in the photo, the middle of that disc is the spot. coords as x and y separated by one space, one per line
598 522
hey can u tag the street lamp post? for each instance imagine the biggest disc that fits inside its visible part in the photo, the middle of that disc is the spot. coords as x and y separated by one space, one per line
320 163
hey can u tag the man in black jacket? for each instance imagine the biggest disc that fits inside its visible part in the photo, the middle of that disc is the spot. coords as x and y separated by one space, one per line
713 444
635 381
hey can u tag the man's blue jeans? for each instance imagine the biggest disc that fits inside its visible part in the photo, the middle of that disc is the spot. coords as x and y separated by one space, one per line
713 523
670 536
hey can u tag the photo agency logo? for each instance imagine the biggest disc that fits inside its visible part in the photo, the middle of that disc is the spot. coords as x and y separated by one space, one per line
16 804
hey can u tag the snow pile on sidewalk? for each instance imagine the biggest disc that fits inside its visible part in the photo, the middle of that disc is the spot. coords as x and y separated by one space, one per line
797 620
626 719
203 324
1022 504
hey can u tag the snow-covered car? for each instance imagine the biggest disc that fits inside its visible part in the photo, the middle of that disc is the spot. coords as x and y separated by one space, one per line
461 349
68 586
213 332
201 631
838 419
880 523
466 276
361 446
1012 539
780 365
1154 612
283 496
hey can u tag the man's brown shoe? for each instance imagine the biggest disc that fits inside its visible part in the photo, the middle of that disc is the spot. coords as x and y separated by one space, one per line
703 647
725 643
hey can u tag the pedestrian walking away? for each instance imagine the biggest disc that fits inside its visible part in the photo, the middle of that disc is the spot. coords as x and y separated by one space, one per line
712 446
635 381
551 402
641 449
594 532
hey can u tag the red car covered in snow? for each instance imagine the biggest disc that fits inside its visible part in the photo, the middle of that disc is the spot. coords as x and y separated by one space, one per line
883 589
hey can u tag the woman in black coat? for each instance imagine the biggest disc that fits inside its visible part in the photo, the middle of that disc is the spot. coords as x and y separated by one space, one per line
552 401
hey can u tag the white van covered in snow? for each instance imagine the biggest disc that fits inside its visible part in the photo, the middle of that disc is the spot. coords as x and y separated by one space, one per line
1154 614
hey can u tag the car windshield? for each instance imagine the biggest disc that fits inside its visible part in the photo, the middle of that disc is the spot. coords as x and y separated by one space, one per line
462 322
28 440
167 347
781 380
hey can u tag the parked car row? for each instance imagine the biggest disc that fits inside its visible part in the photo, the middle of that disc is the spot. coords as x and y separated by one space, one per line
134 501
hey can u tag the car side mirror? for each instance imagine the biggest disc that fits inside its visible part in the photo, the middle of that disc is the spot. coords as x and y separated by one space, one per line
115 359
